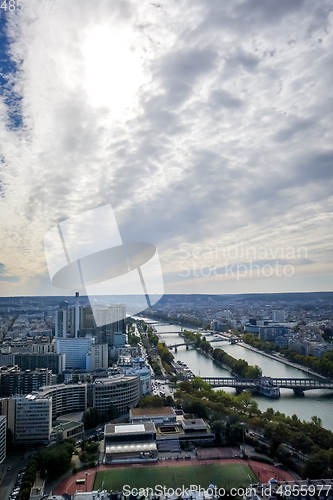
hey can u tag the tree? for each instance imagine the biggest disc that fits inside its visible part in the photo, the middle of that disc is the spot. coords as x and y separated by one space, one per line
316 420
246 400
316 465
199 408
198 383
91 418
219 429
253 372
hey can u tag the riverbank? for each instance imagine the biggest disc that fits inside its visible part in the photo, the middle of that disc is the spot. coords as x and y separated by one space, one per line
225 367
281 360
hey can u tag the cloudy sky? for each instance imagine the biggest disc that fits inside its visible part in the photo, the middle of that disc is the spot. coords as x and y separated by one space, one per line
207 125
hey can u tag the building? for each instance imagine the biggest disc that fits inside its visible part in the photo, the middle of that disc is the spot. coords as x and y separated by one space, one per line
121 391
271 332
66 398
3 432
278 316
76 350
308 346
217 326
282 341
160 416
83 317
130 442
43 348
194 426
145 377
29 418
61 321
67 430
172 430
112 319
15 381
33 419
7 359
97 358
30 361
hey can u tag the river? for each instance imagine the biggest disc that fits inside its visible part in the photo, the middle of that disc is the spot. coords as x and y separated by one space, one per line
317 402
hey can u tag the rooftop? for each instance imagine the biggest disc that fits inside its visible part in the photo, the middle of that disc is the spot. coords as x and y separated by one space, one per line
194 423
150 412
125 429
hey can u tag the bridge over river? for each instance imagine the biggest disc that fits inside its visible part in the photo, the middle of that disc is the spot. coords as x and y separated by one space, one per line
298 385
232 340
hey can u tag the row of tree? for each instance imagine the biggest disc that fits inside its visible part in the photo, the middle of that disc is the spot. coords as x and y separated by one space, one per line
239 366
278 435
198 340
52 462
322 365
153 338
255 341
164 353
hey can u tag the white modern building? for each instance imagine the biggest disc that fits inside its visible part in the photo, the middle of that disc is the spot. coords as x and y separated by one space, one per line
76 350
97 358
29 418
145 377
33 419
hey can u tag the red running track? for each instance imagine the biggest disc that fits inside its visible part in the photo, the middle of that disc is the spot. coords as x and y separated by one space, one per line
264 473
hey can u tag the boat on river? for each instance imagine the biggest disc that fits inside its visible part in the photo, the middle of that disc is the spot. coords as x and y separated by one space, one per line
266 388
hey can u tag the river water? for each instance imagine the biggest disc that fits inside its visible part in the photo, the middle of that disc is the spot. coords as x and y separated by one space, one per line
317 402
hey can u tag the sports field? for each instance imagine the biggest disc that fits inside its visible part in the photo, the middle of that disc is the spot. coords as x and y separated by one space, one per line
222 476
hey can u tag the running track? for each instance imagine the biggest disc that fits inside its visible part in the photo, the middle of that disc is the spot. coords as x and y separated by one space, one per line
263 472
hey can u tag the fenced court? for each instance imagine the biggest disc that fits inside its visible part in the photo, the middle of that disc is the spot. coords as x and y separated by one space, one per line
225 475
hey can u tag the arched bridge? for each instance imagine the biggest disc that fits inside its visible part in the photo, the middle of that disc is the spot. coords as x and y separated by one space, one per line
299 385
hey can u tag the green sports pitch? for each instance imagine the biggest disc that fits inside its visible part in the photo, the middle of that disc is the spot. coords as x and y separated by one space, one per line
225 476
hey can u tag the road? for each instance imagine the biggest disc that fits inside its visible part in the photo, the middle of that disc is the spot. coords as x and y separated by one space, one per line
15 461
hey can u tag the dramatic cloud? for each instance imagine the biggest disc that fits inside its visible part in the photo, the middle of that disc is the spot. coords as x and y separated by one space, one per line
202 123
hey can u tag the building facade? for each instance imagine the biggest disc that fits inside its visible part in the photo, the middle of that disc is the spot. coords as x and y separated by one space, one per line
76 350
3 432
66 398
14 381
98 357
121 391
33 420
30 361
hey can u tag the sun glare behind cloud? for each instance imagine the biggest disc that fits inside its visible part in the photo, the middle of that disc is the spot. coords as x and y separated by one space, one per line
113 68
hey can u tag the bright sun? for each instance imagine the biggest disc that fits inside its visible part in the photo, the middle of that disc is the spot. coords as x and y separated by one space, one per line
113 68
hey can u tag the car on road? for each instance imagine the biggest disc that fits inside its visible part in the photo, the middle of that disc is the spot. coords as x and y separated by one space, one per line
9 468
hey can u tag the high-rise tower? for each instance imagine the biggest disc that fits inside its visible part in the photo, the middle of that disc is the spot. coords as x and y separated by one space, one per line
77 314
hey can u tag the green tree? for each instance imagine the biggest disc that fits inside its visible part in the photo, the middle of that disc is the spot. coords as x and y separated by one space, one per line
219 429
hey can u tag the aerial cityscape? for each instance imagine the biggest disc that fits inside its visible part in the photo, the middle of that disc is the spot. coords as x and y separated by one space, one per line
198 377
166 272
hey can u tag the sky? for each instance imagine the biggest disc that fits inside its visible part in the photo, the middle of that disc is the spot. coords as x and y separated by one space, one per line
207 126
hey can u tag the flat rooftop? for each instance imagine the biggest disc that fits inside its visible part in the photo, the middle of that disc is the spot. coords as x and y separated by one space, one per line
165 411
194 423
125 429
66 426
